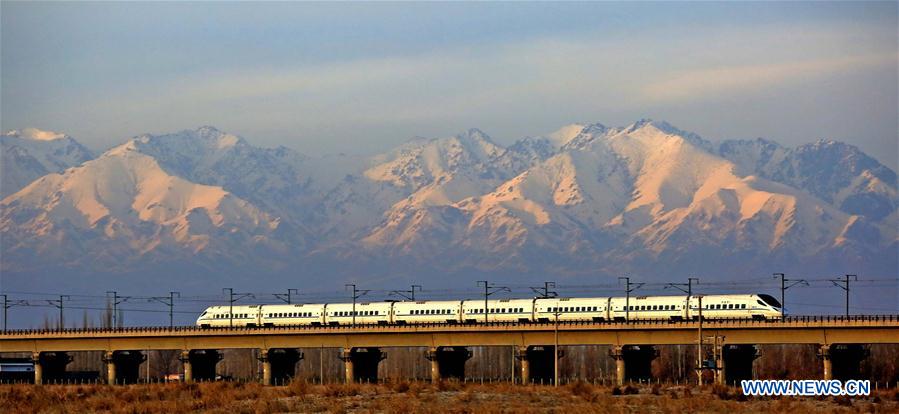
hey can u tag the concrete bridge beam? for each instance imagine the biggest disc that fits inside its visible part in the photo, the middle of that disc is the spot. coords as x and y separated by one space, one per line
361 364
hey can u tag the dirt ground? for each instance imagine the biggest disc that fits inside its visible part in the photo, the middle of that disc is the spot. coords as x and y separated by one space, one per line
403 397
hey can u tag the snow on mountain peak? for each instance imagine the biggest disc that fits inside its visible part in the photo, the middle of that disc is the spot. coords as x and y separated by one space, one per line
32 153
37 134
565 134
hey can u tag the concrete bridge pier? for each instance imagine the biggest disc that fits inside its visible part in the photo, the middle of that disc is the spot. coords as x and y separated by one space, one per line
735 363
824 356
278 364
447 362
123 367
361 364
537 363
49 366
199 364
841 361
633 362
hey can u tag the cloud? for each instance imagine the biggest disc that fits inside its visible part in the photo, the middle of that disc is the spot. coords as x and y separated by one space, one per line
699 84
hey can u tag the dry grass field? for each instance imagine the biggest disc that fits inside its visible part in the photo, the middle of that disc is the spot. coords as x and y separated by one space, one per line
403 397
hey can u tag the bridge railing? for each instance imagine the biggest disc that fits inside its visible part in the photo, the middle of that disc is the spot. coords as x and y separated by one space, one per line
791 320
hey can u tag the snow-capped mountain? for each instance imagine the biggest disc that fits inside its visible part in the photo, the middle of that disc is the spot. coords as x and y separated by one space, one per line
31 153
121 210
835 172
622 198
587 199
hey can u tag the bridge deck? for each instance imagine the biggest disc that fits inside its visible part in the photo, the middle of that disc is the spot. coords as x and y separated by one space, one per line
809 330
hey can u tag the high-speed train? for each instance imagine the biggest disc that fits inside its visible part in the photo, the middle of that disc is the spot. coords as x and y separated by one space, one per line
673 308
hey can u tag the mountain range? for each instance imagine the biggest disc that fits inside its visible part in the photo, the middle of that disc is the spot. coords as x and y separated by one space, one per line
587 200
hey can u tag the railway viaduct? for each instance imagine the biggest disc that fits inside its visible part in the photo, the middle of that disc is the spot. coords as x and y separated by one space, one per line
840 341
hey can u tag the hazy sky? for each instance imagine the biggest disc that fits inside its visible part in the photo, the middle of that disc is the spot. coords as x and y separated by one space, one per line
326 78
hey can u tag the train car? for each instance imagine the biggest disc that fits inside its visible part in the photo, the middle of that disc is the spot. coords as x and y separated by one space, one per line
502 310
670 308
367 313
427 312
294 314
648 308
754 306
227 316
571 309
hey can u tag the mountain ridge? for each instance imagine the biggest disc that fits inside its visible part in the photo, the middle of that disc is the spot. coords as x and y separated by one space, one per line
646 197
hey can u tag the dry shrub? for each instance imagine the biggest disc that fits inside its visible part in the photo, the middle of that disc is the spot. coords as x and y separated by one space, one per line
656 389
672 395
464 397
688 393
583 390
721 391
630 390
401 387
616 390
415 389
341 390
448 386
297 388
843 400
337 407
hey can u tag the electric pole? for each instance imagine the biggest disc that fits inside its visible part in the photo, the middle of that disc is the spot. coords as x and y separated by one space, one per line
356 295
115 306
689 285
59 304
234 297
286 297
627 296
544 291
699 344
783 288
411 292
6 305
170 302
845 286
489 290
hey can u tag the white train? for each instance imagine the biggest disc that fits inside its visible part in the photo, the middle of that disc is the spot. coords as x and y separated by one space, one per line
673 308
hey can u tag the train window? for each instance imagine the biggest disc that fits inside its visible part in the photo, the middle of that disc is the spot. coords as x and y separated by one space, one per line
742 306
730 306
